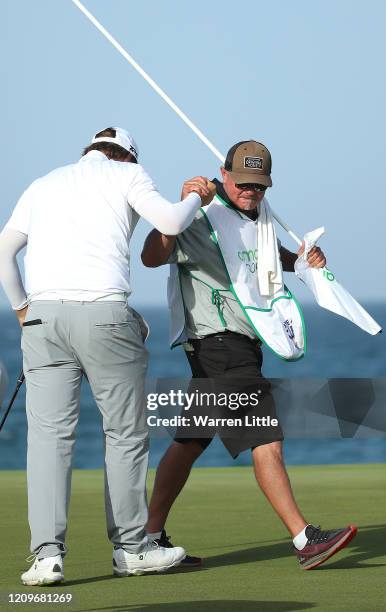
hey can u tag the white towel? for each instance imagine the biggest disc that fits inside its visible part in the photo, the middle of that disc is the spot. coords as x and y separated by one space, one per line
269 270
328 292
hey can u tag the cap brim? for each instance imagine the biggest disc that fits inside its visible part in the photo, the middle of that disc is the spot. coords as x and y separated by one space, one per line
250 177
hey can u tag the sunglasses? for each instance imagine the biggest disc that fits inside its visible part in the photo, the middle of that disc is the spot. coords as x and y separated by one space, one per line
253 186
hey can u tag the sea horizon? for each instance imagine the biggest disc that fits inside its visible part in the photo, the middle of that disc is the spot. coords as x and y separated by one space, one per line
336 350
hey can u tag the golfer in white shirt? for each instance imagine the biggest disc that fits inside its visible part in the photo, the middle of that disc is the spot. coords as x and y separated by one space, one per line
76 223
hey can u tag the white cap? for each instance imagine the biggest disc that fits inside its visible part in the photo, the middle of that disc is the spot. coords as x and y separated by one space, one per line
121 138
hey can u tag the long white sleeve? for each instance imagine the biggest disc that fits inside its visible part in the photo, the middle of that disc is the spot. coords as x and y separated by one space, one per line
11 242
168 218
145 199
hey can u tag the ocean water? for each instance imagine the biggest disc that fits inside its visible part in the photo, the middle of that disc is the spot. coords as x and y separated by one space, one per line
336 349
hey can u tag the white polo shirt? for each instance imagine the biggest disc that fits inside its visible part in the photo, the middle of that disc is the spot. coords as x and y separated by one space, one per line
79 220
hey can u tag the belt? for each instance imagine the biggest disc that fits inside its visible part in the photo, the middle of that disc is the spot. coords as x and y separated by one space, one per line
227 332
114 297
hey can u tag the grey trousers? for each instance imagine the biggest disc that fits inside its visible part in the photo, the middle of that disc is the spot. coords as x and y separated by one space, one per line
61 342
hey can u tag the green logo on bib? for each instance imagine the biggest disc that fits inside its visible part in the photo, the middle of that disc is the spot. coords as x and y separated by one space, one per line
249 258
328 275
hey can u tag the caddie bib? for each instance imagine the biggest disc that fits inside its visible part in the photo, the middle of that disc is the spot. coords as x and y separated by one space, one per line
277 321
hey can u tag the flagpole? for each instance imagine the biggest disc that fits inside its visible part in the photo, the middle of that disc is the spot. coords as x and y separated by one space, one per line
149 80
20 381
168 100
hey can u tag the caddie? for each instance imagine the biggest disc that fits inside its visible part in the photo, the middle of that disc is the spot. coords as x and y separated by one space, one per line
227 298
76 223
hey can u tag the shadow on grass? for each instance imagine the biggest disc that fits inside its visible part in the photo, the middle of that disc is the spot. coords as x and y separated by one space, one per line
250 555
112 577
240 605
69 583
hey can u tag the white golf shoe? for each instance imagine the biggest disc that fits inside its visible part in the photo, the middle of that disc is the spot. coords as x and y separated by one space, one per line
152 558
44 571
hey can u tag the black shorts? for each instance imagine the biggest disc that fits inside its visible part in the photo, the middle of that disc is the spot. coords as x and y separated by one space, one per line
227 367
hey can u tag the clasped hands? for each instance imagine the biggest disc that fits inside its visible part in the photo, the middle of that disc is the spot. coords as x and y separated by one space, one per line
201 185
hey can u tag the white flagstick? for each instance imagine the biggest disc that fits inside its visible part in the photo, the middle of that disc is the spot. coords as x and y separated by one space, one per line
149 80
286 227
168 100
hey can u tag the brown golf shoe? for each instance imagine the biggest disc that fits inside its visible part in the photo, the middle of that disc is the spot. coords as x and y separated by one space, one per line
321 545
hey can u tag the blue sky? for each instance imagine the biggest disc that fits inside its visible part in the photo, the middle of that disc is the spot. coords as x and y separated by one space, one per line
306 78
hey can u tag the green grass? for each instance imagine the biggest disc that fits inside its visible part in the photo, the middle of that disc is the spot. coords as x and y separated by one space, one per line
222 516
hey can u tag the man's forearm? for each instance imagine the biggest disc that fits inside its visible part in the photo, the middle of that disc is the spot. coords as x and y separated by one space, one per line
172 219
169 218
157 249
11 242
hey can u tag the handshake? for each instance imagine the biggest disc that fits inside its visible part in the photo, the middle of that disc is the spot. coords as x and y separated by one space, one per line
201 185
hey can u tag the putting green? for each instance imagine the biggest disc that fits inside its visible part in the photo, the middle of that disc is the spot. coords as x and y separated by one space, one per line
222 516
